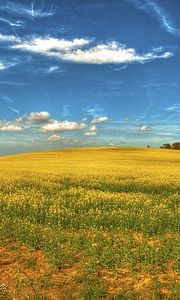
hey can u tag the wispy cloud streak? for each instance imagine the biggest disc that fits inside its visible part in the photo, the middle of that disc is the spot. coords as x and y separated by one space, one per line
34 10
155 10
9 103
4 65
17 23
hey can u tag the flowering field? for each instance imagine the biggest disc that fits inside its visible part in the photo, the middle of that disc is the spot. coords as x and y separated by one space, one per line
99 223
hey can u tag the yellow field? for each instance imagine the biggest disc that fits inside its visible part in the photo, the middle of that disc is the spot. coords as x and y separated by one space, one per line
95 223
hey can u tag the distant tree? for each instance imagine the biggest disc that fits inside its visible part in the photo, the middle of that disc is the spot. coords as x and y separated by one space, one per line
148 146
166 146
176 146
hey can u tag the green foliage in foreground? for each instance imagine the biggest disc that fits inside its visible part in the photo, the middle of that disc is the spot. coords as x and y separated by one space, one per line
112 215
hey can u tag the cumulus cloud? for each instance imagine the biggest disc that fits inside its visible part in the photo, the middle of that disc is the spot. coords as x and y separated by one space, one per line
39 117
55 137
99 120
61 126
75 51
11 127
92 128
35 117
90 133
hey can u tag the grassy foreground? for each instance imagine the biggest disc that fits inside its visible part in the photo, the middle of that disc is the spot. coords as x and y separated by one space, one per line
99 223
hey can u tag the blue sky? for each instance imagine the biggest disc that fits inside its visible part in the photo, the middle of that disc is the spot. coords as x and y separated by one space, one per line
88 72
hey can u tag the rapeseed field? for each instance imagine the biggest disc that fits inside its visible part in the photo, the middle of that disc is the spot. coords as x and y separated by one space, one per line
92 223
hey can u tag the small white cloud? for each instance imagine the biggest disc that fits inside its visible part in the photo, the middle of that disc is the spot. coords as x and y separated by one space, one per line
92 128
53 69
145 128
60 126
11 128
22 119
6 65
9 38
55 138
2 66
99 120
92 133
84 119
39 117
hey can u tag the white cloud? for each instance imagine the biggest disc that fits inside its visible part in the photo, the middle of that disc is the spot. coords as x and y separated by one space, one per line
11 128
53 69
145 128
39 117
92 128
2 66
55 138
60 126
99 120
92 133
51 46
9 38
111 53
21 119
74 51
84 119
6 65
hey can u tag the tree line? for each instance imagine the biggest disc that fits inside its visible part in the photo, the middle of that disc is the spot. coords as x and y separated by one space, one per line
175 146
